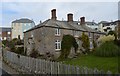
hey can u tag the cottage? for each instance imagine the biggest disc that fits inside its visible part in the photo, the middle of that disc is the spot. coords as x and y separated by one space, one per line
47 36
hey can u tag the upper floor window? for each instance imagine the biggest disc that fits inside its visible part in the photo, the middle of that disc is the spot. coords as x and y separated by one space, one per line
88 34
57 31
76 33
32 34
8 33
25 24
57 45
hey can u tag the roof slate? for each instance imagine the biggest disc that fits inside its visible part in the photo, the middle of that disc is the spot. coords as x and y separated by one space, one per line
63 24
23 20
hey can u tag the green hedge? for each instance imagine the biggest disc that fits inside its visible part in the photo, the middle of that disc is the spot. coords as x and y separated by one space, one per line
108 49
68 41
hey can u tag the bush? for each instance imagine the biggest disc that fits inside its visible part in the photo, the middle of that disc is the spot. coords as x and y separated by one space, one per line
85 42
104 38
19 50
107 49
34 53
113 33
68 42
4 42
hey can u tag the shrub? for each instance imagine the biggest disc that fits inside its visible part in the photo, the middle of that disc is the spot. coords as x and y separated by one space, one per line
85 42
19 50
34 53
107 49
103 39
4 42
113 33
68 42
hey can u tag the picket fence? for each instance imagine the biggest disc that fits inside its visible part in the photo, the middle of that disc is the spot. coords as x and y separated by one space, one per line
39 66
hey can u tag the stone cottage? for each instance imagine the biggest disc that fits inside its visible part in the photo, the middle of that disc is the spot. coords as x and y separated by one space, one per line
47 36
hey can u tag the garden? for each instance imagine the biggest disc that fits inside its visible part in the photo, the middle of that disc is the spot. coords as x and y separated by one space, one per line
105 55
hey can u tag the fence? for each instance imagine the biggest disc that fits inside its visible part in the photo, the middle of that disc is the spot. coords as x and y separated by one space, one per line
38 66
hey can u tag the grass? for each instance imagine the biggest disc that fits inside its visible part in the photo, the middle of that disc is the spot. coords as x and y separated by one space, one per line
91 61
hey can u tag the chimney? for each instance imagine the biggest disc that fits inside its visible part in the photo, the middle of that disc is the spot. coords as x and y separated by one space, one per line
70 17
53 13
82 20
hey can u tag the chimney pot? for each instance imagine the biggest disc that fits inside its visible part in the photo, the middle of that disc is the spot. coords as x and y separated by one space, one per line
70 17
53 13
82 20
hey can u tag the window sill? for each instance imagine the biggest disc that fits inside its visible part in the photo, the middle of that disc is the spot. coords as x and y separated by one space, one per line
57 35
57 49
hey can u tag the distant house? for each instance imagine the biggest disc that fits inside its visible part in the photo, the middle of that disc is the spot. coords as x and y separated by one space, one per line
21 25
47 36
105 26
92 25
5 33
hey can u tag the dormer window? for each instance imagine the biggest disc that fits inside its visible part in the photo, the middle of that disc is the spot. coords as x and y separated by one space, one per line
57 31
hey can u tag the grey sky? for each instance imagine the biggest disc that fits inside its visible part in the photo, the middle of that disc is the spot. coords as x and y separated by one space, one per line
97 11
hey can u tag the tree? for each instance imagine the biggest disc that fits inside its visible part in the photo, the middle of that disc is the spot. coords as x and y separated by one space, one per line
85 42
68 42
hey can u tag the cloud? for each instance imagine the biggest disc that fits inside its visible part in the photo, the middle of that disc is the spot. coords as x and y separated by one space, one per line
42 10
60 0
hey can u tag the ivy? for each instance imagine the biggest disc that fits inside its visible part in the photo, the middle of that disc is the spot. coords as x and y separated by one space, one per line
68 42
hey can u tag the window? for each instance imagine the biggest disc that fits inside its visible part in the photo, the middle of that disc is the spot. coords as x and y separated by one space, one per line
76 33
32 34
29 24
5 38
8 33
88 34
57 32
57 45
25 24
0 38
91 45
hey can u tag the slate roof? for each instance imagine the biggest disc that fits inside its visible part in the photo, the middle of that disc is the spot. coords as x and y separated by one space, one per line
90 23
63 24
23 20
4 29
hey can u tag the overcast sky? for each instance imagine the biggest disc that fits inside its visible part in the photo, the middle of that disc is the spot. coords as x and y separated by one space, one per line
97 11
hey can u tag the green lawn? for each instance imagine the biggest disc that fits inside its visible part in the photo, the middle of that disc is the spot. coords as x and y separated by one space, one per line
91 61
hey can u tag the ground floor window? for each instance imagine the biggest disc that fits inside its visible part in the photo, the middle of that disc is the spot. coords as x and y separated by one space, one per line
57 45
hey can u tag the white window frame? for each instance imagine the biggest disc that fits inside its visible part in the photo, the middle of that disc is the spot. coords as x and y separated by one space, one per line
8 33
89 34
76 33
57 32
24 24
5 38
32 34
57 45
